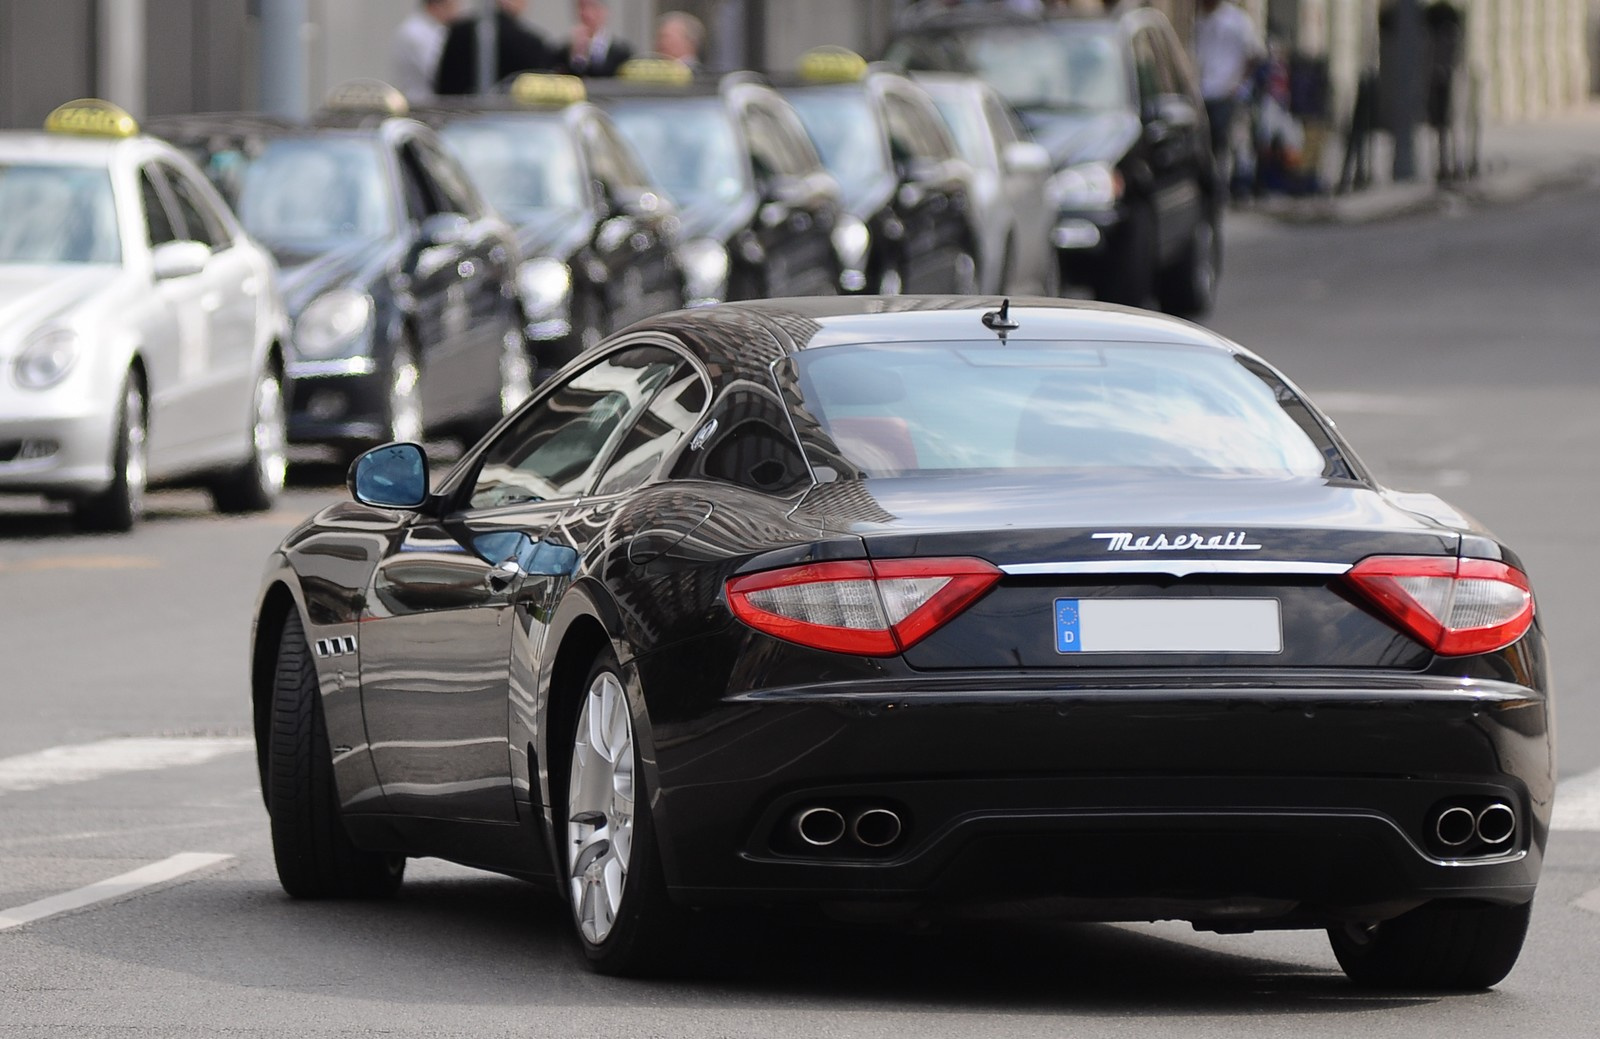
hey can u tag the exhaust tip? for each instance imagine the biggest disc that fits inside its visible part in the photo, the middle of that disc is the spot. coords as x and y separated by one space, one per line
819 827
1455 826
1496 824
876 827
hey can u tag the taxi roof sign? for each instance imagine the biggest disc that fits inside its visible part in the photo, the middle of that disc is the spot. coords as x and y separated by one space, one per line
91 117
832 65
543 88
656 69
366 95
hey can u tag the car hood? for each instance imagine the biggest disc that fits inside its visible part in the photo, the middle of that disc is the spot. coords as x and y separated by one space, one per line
1074 137
33 294
307 275
557 233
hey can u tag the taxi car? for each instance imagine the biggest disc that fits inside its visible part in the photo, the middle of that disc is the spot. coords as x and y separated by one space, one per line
598 238
918 605
140 328
399 279
758 212
1138 205
907 191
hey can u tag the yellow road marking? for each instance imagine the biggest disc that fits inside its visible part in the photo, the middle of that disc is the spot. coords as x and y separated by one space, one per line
80 562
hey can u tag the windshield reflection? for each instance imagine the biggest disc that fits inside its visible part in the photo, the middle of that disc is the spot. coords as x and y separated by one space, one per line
688 147
521 165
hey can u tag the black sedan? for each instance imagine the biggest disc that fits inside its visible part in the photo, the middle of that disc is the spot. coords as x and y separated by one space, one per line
399 280
1113 98
598 238
926 604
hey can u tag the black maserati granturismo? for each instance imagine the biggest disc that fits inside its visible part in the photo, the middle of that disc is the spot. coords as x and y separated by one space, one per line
933 603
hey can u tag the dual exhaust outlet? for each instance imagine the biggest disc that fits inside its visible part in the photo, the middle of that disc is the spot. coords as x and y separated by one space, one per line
1492 825
822 827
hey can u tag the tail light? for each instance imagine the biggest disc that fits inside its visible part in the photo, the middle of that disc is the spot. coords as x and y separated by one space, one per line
1454 606
871 608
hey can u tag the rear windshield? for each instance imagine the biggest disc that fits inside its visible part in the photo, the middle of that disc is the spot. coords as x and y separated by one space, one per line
896 409
57 214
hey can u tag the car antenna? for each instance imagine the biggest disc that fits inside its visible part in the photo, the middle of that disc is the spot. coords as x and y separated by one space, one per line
1001 320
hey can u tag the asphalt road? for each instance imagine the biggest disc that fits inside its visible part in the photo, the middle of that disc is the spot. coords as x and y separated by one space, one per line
1459 355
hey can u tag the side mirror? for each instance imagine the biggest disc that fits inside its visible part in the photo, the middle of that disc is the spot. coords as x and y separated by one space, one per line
179 259
1025 157
445 229
394 476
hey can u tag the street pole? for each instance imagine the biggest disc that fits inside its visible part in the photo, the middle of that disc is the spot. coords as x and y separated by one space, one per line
488 47
1408 45
122 54
283 58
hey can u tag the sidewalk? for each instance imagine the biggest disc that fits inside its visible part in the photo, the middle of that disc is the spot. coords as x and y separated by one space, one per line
1518 161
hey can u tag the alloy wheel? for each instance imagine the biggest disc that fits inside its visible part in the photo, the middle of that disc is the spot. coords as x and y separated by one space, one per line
600 807
270 435
134 469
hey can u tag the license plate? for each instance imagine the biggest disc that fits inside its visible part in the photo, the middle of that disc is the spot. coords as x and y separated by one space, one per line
1168 626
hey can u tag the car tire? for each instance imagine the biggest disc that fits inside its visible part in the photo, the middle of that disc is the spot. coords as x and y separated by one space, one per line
1443 946
119 507
314 855
255 485
621 913
1129 270
1189 287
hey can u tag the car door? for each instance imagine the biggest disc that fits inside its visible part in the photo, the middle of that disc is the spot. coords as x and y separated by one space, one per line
1172 125
795 217
631 242
230 301
931 199
457 593
176 345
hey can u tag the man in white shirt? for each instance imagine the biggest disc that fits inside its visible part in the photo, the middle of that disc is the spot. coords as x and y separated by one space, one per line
417 45
1227 49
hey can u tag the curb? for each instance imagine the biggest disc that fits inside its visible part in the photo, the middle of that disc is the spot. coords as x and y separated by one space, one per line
1396 201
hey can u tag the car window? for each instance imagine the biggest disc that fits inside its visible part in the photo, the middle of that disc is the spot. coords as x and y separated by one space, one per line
200 222
771 144
57 214
1148 69
845 132
523 166
689 146
610 160
1002 121
554 449
748 440
967 124
1059 65
905 140
893 409
158 221
668 418
455 192
316 192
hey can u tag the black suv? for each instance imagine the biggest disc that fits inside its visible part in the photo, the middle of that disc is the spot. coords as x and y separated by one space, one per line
1115 101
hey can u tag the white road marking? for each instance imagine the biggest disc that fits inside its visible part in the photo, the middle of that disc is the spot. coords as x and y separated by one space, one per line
115 887
1578 803
85 761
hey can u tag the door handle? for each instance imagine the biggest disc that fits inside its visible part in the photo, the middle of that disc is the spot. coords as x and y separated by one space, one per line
504 576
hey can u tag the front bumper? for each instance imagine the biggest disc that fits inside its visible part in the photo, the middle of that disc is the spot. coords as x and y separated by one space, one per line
58 455
1229 805
340 401
1083 239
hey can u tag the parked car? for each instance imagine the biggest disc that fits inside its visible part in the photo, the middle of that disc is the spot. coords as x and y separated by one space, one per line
921 605
400 280
1113 98
1009 171
142 334
598 237
906 189
758 210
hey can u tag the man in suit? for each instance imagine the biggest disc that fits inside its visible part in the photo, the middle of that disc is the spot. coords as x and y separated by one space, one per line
417 44
593 51
517 49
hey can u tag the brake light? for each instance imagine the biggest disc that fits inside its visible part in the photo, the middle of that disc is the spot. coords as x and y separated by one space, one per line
1456 607
871 608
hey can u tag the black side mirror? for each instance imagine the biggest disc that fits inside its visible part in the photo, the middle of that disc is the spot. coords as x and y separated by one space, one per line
394 476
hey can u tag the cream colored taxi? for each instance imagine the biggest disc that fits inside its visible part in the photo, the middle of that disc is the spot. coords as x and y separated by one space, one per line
139 326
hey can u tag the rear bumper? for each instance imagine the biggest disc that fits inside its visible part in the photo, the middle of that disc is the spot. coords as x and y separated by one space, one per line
1231 806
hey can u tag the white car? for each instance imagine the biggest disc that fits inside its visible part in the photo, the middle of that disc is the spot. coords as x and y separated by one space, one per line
140 327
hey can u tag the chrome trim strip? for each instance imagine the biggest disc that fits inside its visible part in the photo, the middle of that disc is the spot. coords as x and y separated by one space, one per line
1177 567
338 366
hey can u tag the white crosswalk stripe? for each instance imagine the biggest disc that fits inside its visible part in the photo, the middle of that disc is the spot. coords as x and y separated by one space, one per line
78 763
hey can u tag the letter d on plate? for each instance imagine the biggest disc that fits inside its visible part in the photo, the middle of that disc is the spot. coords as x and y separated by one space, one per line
1067 638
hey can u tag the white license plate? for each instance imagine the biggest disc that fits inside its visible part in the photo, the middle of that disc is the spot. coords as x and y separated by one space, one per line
1168 626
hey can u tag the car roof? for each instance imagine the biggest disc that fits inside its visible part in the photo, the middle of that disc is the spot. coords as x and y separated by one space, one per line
812 322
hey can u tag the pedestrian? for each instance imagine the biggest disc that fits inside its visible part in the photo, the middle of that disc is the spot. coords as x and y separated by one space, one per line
680 35
1227 50
517 49
417 44
592 50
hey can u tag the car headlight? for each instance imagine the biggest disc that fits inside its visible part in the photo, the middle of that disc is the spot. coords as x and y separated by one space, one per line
46 357
332 323
705 270
851 240
546 288
1090 185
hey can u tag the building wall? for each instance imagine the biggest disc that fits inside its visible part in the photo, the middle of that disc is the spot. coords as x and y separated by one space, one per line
47 56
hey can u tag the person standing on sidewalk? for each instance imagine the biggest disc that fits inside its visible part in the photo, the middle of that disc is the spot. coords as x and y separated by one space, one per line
517 49
417 43
1227 50
592 50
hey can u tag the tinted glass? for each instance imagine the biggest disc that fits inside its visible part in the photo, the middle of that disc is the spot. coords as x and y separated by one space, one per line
846 134
554 449
157 222
522 165
667 420
199 223
967 126
963 407
57 214
688 147
316 192
1059 65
